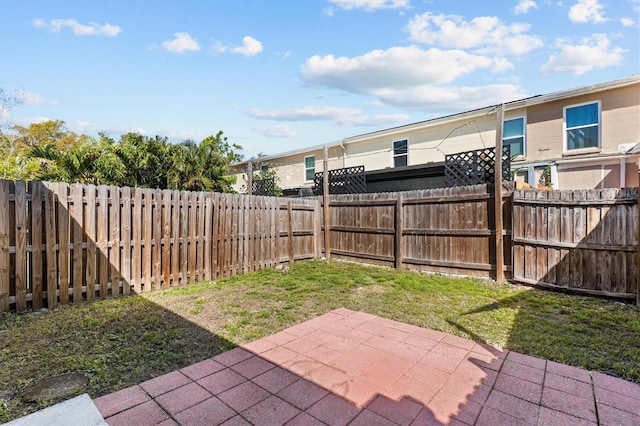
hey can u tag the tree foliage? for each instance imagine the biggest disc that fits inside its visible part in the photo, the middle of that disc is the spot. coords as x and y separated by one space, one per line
48 151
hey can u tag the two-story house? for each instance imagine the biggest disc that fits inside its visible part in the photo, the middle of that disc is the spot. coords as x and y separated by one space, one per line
582 138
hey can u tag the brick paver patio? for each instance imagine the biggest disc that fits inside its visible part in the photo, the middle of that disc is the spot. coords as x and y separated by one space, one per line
354 368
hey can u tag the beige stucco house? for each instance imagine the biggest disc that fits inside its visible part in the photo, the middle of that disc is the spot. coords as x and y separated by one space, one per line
582 138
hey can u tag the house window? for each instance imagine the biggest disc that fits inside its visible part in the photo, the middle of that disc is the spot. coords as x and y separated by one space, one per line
264 168
582 126
400 153
309 167
513 135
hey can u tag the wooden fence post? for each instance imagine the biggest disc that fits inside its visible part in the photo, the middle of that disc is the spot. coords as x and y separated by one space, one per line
638 242
249 177
498 196
327 211
290 252
399 227
5 273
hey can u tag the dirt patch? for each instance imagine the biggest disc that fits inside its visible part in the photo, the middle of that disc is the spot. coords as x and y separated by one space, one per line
55 387
370 289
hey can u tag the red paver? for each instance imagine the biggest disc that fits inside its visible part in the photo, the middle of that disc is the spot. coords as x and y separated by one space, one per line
569 371
566 384
402 412
147 413
549 417
211 411
328 377
275 379
492 417
279 355
615 384
514 407
613 416
333 410
369 418
531 361
236 421
621 402
570 404
233 356
165 383
304 419
357 391
520 388
221 381
258 346
252 367
243 396
202 369
281 338
303 394
182 398
121 400
348 367
271 411
522 371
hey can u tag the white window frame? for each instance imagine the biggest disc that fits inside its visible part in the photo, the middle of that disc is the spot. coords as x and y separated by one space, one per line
596 148
394 155
524 134
309 168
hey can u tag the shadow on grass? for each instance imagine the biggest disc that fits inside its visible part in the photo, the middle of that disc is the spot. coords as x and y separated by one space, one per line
113 343
580 331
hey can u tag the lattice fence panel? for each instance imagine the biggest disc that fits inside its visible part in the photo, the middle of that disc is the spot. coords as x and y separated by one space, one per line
350 180
266 186
475 167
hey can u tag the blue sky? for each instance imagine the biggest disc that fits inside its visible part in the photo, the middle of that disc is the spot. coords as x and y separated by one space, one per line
278 75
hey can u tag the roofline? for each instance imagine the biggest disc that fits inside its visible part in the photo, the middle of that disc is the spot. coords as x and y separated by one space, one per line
511 105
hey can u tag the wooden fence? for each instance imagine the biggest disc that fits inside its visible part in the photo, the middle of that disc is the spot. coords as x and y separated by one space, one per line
580 240
61 243
438 230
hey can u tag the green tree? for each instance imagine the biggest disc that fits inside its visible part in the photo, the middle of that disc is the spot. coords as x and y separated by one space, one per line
204 166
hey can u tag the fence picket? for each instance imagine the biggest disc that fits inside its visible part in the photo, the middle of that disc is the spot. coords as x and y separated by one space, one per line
36 244
5 243
91 238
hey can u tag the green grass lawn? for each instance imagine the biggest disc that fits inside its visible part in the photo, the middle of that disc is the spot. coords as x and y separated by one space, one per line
116 343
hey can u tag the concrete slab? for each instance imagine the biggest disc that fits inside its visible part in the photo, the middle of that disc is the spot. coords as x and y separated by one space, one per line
78 411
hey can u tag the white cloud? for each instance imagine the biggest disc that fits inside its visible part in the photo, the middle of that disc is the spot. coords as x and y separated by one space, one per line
181 43
339 115
26 97
627 22
329 11
587 11
591 53
369 5
56 25
524 6
280 131
486 34
397 67
445 99
250 47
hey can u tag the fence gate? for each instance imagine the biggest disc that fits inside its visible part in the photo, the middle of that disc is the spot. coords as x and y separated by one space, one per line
585 241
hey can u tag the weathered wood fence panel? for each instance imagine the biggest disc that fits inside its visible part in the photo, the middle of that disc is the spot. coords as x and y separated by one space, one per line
61 243
438 230
585 241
